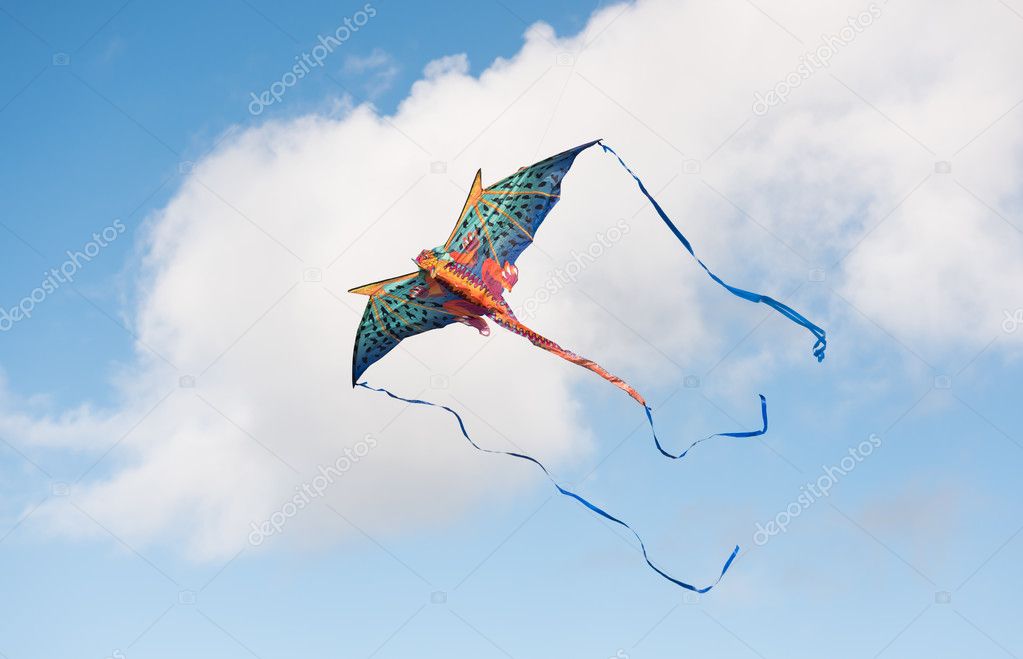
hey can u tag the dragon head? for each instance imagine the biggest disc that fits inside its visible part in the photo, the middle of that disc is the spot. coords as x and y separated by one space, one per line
429 261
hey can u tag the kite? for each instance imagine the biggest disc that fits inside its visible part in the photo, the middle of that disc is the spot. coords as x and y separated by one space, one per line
464 281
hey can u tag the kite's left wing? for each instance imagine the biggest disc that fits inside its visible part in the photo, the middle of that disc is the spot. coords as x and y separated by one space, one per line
499 222
397 309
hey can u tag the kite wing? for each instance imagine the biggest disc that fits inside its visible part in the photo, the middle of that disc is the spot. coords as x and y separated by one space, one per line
498 222
398 308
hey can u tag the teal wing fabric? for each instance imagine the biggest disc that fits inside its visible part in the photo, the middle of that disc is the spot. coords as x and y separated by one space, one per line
398 309
503 221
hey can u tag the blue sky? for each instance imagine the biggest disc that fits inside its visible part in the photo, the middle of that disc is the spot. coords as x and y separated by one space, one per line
110 123
126 493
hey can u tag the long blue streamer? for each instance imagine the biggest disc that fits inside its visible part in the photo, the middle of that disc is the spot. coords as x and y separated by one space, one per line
783 309
573 495
749 433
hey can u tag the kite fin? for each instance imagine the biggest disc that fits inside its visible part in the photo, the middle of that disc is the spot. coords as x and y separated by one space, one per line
475 194
377 286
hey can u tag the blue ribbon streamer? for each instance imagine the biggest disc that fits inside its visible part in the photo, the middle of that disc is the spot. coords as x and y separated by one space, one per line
603 513
750 433
783 309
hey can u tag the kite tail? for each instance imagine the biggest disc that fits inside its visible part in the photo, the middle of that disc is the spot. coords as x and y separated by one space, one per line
748 433
572 495
783 309
543 342
512 324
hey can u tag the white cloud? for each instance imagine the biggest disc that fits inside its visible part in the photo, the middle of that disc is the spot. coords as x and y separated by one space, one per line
450 65
223 296
379 66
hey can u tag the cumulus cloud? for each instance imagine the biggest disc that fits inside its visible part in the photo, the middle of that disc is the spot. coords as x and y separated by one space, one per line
378 66
244 270
451 64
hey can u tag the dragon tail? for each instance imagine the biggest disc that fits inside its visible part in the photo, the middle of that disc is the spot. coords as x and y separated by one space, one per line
513 324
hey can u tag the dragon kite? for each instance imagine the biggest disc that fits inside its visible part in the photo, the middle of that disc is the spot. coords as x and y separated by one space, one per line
464 281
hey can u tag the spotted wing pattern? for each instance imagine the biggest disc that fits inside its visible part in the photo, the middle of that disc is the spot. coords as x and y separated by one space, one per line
397 309
500 221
